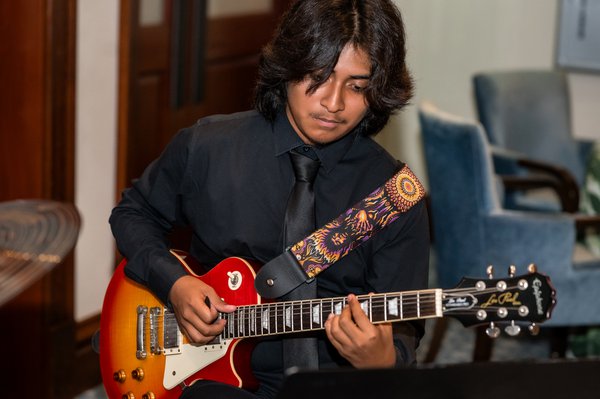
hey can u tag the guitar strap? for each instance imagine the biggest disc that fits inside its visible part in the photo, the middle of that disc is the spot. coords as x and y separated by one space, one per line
304 260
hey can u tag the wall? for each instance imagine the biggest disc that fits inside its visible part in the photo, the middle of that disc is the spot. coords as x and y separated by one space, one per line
96 136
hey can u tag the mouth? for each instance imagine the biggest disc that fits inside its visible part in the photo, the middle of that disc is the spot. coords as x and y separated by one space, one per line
327 122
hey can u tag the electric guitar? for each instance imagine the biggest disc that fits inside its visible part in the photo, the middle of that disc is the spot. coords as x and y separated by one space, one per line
143 354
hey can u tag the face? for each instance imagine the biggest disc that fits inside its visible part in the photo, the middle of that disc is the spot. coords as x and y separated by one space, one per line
334 108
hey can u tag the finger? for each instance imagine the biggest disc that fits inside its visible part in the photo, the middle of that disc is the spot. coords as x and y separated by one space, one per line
358 314
218 303
332 331
200 321
338 333
346 318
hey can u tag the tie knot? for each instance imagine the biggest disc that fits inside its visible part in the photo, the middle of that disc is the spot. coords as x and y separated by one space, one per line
305 168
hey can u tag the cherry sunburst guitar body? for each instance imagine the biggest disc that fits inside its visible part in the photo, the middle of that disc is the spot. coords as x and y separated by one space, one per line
121 362
143 354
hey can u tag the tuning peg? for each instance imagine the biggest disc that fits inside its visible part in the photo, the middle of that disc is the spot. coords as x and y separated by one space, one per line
512 270
534 329
532 268
492 331
490 271
512 329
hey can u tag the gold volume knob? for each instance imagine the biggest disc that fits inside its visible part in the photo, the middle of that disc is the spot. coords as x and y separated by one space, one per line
138 374
120 376
149 395
128 395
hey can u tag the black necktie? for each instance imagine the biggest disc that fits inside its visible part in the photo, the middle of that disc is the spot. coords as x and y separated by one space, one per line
300 222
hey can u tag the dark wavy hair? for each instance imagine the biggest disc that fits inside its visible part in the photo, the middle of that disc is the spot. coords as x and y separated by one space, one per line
309 40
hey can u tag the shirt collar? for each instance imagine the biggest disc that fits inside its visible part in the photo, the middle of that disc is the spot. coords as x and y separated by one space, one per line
287 139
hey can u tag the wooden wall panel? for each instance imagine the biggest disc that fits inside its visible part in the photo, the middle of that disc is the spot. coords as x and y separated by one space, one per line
37 161
22 99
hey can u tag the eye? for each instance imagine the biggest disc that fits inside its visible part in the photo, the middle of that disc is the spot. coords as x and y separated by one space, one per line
357 88
317 78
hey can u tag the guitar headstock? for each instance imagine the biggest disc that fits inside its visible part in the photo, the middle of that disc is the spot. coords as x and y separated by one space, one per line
527 298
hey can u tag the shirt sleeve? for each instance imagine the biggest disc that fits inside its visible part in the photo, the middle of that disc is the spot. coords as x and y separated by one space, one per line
145 216
400 262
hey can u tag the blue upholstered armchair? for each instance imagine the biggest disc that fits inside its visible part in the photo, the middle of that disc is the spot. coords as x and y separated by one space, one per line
526 115
471 230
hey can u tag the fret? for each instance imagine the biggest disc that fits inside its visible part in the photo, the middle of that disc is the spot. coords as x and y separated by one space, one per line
378 311
241 323
337 307
273 319
253 320
364 305
385 315
410 308
230 323
306 315
327 306
264 320
418 305
283 319
293 316
279 318
392 304
320 314
247 322
401 304
288 317
315 311
300 316
297 316
325 309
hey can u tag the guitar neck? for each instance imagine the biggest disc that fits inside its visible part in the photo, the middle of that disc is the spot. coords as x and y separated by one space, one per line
310 315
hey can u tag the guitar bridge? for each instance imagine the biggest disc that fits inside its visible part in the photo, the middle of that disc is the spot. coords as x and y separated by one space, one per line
141 353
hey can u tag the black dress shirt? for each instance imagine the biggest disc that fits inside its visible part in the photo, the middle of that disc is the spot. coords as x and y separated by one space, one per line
229 178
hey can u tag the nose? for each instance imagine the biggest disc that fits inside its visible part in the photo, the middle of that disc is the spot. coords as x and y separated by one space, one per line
332 97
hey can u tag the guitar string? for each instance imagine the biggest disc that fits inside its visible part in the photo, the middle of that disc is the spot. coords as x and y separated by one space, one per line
421 304
277 316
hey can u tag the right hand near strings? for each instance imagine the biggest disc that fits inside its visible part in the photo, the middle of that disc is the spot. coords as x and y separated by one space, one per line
196 306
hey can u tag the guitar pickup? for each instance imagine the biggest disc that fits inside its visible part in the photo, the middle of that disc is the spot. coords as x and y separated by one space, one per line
172 336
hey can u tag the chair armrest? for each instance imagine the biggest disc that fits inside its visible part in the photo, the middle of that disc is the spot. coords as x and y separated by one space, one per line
583 222
568 189
521 173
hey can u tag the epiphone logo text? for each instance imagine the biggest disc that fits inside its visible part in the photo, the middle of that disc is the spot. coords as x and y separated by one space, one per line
537 293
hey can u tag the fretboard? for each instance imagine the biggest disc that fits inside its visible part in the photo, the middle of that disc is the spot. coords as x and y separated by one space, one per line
308 315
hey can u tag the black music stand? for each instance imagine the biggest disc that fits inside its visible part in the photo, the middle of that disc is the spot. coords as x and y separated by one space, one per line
491 380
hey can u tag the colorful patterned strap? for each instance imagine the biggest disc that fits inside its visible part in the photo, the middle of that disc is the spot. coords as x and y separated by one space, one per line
315 253
337 238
